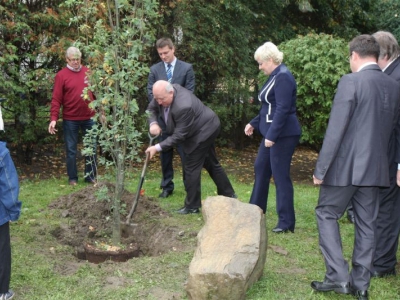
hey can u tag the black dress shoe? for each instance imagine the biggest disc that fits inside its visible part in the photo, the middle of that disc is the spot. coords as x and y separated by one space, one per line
165 194
382 274
327 286
280 230
360 295
185 211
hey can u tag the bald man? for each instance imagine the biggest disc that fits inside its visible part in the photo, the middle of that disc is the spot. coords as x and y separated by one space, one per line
194 126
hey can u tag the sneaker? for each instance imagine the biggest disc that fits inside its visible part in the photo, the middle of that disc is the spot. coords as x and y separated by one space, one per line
7 296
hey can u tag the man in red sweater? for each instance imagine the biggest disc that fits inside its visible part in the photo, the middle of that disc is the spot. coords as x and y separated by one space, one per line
68 93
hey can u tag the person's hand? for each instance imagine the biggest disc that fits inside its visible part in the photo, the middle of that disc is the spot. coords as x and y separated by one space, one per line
151 151
155 130
398 177
269 143
248 130
316 180
52 127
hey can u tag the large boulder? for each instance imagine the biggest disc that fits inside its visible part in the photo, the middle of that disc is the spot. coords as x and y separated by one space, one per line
231 250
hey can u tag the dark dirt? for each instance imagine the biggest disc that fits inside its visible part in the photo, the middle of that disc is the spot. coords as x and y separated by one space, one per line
88 220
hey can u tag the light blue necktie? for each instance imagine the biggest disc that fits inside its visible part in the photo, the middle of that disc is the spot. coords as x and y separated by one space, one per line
169 72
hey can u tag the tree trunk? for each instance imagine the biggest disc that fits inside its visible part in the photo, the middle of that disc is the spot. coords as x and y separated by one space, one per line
119 189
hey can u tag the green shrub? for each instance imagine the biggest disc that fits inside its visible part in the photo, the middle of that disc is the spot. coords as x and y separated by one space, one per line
317 62
231 104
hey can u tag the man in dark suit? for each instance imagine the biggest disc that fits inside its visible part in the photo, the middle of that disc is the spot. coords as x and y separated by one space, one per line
388 221
353 164
194 126
172 70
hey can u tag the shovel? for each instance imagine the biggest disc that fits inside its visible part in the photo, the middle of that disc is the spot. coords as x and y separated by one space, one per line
146 162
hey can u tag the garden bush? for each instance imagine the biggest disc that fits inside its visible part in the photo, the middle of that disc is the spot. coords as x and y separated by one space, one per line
317 62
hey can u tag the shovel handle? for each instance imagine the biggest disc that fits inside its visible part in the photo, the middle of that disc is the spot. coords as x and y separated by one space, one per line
152 138
146 162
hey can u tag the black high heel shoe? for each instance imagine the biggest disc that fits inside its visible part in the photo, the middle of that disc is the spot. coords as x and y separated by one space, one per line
280 230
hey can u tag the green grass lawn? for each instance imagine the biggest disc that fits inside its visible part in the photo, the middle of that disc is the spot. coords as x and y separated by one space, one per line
44 269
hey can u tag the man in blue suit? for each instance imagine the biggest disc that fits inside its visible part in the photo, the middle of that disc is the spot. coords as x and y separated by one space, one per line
176 71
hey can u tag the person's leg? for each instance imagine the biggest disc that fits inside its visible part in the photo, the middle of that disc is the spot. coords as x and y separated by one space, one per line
5 258
331 206
166 158
90 160
365 208
263 172
71 131
167 183
217 173
193 165
281 157
181 153
387 231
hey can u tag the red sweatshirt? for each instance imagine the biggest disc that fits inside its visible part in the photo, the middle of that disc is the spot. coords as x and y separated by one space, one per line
68 94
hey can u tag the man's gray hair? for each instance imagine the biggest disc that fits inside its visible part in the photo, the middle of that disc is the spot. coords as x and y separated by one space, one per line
388 45
73 51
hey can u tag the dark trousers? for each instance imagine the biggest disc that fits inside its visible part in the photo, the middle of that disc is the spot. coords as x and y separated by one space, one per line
332 204
167 157
204 156
388 227
5 258
167 169
71 135
275 161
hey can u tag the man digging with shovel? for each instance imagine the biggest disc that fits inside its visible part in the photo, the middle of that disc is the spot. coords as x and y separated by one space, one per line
195 126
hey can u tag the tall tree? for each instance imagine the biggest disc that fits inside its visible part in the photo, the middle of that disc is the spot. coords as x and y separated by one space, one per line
117 46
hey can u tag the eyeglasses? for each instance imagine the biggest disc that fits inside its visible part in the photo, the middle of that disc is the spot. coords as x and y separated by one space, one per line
74 59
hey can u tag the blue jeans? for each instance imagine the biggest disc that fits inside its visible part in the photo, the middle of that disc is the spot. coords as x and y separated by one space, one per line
71 134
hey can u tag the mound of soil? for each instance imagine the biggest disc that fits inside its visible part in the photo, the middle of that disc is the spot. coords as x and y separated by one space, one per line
87 220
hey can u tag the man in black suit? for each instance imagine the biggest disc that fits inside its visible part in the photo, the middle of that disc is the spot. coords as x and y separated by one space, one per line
172 70
194 126
353 164
388 221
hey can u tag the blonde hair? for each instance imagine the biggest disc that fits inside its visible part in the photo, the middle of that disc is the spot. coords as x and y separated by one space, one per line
268 51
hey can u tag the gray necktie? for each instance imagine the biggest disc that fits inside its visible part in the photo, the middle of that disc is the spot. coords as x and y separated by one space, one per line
166 110
169 72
